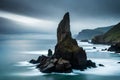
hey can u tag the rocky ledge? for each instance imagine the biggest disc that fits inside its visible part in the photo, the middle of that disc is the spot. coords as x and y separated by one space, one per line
67 55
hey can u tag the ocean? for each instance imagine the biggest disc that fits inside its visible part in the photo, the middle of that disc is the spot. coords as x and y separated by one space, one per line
17 50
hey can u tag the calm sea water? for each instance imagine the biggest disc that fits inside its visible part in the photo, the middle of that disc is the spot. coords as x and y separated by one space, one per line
17 50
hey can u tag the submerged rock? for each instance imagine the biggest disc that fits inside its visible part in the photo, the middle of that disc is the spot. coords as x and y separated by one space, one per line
101 65
118 62
104 49
84 40
94 47
49 52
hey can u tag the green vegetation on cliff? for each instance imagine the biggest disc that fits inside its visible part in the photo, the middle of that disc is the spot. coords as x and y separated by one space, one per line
110 37
88 34
113 35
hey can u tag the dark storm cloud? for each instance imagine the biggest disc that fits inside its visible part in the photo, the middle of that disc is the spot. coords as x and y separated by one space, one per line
10 27
36 8
52 8
84 13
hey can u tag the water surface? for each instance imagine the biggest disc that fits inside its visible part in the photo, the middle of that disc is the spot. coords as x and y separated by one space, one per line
17 50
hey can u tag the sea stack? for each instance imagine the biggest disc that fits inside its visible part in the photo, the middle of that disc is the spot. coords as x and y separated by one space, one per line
67 47
67 55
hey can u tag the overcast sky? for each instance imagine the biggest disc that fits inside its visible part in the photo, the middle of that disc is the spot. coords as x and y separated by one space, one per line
44 15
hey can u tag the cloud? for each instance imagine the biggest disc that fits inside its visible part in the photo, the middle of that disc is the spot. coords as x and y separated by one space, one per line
84 13
51 7
29 22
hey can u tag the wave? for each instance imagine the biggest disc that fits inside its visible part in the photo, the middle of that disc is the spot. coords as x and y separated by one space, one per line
110 68
110 65
34 72
42 52
24 63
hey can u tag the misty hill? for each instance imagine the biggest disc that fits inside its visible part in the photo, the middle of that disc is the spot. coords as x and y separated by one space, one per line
90 33
110 37
8 26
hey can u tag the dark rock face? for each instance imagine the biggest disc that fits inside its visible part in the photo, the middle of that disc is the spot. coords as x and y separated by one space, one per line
33 61
63 29
67 47
55 65
63 66
67 55
98 40
115 48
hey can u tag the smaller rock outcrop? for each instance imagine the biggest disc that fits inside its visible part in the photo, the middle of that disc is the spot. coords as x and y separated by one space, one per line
94 47
50 53
115 48
48 65
40 59
91 64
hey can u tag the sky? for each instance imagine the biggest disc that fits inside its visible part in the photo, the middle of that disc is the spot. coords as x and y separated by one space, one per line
43 16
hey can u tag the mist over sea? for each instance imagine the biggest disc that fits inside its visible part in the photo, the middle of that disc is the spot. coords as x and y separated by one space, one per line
17 50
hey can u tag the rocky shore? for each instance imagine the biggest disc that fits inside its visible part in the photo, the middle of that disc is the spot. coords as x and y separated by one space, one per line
111 37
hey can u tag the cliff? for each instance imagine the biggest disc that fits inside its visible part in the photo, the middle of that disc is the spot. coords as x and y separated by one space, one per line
110 37
88 34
